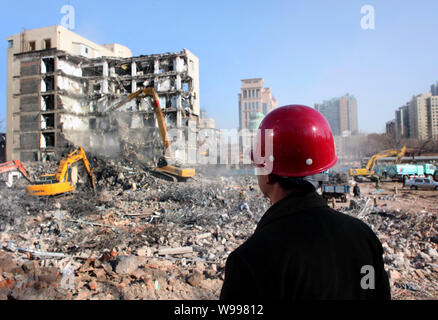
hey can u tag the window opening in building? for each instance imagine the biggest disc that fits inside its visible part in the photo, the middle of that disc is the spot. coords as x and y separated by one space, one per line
47 43
48 140
32 46
48 102
49 65
47 121
48 84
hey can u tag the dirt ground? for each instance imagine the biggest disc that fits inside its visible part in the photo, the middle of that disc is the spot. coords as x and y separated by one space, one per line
142 237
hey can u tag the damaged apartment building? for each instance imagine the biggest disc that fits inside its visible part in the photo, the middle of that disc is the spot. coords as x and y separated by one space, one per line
60 85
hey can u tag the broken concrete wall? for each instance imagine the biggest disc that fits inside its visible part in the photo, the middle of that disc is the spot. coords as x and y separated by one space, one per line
69 68
73 105
74 123
67 92
70 85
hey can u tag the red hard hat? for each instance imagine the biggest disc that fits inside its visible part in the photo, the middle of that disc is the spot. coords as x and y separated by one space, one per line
302 142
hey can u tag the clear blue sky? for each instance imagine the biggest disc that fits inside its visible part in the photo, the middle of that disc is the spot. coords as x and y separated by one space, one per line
307 51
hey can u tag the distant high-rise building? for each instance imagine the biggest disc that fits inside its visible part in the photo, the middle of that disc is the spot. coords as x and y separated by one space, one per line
418 120
402 122
391 128
254 98
434 89
432 117
341 113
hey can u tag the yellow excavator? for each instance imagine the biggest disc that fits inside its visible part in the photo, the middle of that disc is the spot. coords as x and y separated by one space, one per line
61 182
163 166
369 168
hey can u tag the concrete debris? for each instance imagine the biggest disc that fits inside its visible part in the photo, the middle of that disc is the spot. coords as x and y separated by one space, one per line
166 240
337 177
123 243
181 250
406 228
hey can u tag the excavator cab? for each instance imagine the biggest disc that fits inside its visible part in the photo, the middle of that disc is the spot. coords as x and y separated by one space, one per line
174 172
47 178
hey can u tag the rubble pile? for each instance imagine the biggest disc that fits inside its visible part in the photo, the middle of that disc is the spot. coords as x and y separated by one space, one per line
141 237
337 177
409 240
158 240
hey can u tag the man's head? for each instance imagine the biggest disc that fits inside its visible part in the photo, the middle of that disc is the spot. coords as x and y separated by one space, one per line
302 147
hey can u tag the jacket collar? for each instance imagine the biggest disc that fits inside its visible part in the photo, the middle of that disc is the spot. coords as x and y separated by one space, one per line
293 203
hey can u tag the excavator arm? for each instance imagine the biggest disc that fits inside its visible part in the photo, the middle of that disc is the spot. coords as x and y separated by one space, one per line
124 101
15 165
369 168
75 156
167 169
384 154
401 154
60 183
143 93
23 171
163 166
160 117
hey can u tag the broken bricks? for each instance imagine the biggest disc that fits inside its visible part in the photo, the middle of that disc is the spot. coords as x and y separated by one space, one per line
163 232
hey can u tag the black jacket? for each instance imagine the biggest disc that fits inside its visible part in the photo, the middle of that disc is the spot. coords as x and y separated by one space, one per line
302 249
356 191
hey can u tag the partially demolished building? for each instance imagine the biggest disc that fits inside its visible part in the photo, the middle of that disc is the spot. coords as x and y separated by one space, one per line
56 97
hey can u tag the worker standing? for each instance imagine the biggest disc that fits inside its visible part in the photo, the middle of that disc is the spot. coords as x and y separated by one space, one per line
356 191
302 249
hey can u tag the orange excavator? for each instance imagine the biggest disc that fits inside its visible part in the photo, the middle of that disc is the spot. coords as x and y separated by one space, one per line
62 181
14 169
163 166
